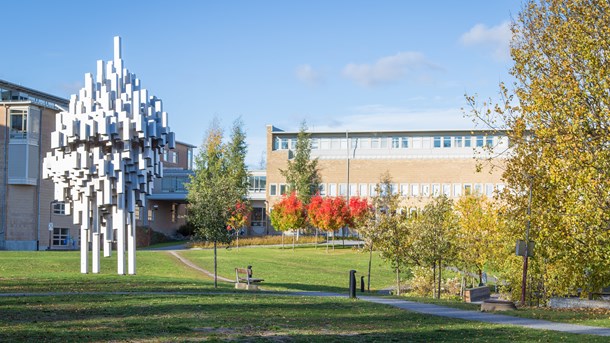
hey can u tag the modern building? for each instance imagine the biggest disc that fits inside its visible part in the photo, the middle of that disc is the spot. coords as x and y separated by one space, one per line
30 217
421 164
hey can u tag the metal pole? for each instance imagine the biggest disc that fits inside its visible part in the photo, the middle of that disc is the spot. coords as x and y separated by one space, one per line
527 238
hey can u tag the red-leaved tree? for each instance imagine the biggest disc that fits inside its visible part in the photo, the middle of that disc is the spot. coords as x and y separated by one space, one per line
288 214
329 214
238 218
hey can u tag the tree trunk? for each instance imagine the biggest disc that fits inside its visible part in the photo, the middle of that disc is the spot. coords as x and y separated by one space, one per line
440 278
316 245
215 268
282 239
397 277
238 241
434 279
368 287
333 240
343 236
480 277
293 241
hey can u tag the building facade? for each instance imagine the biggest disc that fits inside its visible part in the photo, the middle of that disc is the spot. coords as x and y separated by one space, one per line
421 164
30 217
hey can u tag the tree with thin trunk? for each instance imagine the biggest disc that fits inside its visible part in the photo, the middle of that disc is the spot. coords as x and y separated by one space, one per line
360 214
288 214
329 214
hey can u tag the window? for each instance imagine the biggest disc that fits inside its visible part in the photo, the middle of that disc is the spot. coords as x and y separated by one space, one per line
322 189
189 158
151 214
457 190
446 142
467 142
437 142
353 189
137 213
172 157
61 236
353 143
489 190
415 190
343 144
404 189
293 144
458 141
59 208
478 189
273 189
372 189
282 189
500 187
489 141
480 141
284 143
436 190
343 189
315 144
335 143
332 189
446 189
174 212
257 183
362 190
375 143
394 188
417 143
467 189
404 142
258 217
276 143
384 143
325 143
19 123
395 142
425 190
365 143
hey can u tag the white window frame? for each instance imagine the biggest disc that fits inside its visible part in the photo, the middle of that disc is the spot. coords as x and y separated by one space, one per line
415 191
273 189
362 189
404 189
332 189
457 190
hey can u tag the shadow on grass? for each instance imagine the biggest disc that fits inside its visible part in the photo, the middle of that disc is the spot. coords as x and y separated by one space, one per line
304 287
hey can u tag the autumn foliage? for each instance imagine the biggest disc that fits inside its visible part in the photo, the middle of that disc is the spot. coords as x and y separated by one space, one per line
288 214
329 214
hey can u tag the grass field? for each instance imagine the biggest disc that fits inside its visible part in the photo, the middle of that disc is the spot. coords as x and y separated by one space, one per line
221 314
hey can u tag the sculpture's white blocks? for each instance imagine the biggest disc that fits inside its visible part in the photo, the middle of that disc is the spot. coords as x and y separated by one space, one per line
105 154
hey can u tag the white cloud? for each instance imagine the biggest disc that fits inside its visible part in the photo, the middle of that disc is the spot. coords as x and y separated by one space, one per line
388 69
497 38
306 74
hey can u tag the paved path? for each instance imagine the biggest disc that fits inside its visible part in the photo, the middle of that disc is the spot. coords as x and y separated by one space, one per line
194 266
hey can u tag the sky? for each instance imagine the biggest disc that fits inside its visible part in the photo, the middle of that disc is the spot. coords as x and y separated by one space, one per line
338 65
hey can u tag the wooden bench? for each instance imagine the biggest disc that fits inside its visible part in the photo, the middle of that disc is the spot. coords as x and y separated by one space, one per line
493 305
244 279
476 294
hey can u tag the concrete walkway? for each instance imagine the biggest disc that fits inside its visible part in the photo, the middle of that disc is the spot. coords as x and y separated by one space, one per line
486 317
194 266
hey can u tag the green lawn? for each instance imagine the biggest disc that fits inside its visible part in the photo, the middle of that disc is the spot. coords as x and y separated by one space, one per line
305 268
240 317
230 315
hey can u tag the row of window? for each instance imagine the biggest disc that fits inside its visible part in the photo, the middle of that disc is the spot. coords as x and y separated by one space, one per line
285 143
404 189
257 183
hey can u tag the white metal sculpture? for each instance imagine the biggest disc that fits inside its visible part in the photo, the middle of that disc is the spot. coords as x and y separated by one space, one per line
105 154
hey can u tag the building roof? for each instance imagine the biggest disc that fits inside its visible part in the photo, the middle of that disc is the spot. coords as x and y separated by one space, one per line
35 96
277 131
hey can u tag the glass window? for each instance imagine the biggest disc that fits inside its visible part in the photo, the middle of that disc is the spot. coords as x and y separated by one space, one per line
425 190
447 190
343 143
489 190
365 143
394 188
138 213
61 236
284 143
335 143
189 158
315 144
19 123
417 143
467 142
500 187
322 189
59 208
373 190
151 214
467 189
457 190
458 141
273 189
332 189
276 143
362 190
437 142
395 142
282 189
384 142
415 190
446 142
489 141
404 189
436 190
325 143
353 189
480 141
404 142
258 217
343 189
478 189
375 143
353 143
293 143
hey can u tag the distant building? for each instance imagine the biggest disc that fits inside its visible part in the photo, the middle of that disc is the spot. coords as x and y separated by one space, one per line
422 164
30 218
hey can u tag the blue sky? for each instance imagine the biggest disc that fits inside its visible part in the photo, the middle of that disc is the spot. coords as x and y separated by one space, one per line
339 65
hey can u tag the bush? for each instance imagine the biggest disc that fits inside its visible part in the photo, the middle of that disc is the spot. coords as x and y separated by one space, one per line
186 230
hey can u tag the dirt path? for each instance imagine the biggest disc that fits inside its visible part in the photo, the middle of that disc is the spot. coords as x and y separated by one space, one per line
194 266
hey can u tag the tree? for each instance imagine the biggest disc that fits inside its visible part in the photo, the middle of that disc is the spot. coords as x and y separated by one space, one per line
558 117
238 218
433 237
360 215
478 237
387 229
288 214
214 191
329 214
302 174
